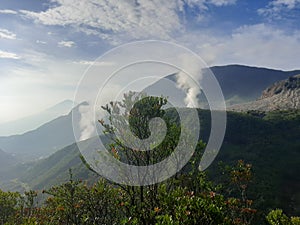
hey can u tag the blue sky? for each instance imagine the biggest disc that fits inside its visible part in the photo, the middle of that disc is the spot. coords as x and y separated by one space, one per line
45 46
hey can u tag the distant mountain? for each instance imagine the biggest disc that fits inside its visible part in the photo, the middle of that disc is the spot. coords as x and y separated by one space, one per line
32 122
282 95
239 83
42 141
46 139
243 83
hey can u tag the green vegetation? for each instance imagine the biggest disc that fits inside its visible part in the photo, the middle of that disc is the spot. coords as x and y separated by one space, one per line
277 217
186 198
238 193
271 144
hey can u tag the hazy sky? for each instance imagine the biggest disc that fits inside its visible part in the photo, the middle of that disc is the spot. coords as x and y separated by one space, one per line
45 46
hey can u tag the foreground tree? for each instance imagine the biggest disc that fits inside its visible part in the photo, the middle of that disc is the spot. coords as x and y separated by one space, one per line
138 110
8 205
186 198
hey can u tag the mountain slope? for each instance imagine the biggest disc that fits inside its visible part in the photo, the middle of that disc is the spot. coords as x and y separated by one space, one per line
29 123
243 83
282 95
6 160
55 169
44 173
270 142
42 141
239 83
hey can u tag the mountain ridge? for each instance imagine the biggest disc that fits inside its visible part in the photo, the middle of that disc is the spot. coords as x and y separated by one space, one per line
32 122
246 83
42 141
282 95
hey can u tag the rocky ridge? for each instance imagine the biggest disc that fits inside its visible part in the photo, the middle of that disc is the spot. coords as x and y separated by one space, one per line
282 95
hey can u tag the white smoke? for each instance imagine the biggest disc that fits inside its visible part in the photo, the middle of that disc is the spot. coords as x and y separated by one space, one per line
90 111
188 80
86 123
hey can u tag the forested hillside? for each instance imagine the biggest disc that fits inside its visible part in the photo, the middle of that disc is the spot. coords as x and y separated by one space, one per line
267 141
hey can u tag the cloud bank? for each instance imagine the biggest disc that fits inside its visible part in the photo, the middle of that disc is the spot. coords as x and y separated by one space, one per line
124 19
276 8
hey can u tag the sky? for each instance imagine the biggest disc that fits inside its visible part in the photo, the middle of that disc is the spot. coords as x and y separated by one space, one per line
46 46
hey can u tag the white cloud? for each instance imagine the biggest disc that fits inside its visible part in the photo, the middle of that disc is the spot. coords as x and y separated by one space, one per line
41 42
20 85
147 18
223 2
8 55
275 7
259 45
290 4
68 44
202 4
8 11
114 20
93 63
6 34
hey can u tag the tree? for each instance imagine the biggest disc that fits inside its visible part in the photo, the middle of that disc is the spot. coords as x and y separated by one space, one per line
138 110
171 200
76 203
8 205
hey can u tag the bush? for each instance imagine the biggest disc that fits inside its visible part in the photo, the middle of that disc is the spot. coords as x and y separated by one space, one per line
8 205
277 217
